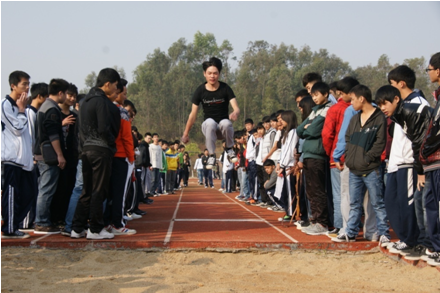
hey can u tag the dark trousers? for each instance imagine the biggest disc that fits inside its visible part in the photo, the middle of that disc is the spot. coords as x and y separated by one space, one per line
134 193
432 205
28 221
252 178
207 174
185 176
171 180
261 178
315 175
61 198
228 181
270 194
161 188
18 195
97 167
155 179
399 204
114 210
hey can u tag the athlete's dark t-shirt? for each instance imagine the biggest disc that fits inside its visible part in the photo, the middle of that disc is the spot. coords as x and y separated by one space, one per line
215 103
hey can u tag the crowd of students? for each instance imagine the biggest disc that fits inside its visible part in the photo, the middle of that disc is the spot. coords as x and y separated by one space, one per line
350 157
73 163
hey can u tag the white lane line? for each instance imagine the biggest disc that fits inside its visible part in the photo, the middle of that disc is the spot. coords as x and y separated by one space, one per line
218 220
34 242
170 228
201 202
264 220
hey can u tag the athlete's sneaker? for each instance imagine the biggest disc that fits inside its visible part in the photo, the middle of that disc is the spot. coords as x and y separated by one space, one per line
221 189
303 225
16 235
73 234
211 162
344 238
384 241
316 229
127 218
231 154
401 249
429 255
104 234
212 187
416 253
206 186
122 231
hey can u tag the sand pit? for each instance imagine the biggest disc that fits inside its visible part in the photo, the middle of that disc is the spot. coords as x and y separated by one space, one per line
46 270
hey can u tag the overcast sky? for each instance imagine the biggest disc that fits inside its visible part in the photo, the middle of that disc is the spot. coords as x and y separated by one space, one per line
70 39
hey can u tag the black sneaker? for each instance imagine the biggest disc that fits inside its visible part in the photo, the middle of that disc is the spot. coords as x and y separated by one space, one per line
416 253
140 212
46 230
231 154
64 232
16 235
401 248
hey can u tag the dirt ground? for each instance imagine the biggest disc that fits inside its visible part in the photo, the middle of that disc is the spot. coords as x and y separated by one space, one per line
44 270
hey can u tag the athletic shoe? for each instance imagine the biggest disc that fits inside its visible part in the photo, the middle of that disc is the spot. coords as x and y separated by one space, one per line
212 186
64 232
211 162
286 218
156 194
98 236
46 230
73 234
221 189
260 203
243 198
384 241
134 216
304 226
123 231
238 196
344 238
299 223
163 193
127 218
26 230
316 229
231 155
429 255
392 245
416 253
265 205
276 209
401 249
16 235
333 233
434 262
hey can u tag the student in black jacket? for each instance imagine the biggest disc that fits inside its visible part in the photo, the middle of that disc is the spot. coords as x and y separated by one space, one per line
99 122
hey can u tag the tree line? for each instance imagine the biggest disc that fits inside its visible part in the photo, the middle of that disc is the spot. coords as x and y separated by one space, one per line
265 80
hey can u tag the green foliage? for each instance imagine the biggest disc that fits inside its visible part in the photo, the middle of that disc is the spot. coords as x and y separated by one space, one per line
266 79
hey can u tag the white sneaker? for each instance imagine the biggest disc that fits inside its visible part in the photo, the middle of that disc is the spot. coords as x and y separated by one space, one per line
127 218
384 241
134 216
101 235
123 231
221 189
73 234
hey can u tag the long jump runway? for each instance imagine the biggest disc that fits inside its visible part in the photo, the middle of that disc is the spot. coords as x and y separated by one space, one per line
202 219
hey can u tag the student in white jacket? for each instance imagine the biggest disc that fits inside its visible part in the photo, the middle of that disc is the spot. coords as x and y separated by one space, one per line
16 158
285 186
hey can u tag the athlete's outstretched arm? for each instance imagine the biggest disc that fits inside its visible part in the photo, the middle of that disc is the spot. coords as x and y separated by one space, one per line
189 124
234 115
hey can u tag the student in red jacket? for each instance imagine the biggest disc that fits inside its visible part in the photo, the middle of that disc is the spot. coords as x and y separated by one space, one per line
330 132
